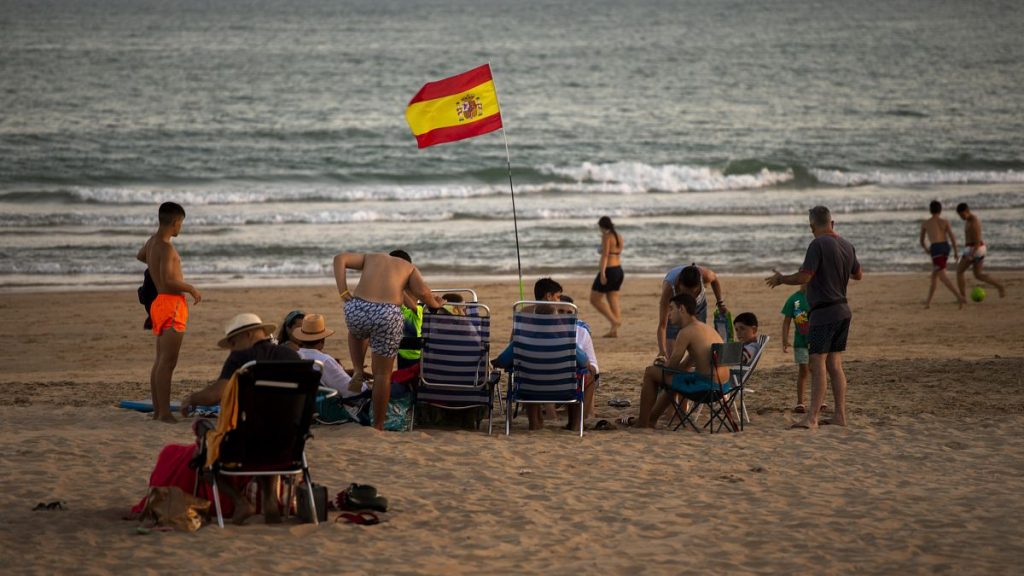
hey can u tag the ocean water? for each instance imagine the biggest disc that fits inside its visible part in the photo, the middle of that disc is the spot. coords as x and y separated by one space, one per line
705 129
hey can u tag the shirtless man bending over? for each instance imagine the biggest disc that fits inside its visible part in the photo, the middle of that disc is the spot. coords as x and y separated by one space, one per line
169 310
974 253
373 312
940 236
690 350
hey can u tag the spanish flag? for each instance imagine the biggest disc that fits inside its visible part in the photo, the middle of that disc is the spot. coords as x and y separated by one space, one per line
462 106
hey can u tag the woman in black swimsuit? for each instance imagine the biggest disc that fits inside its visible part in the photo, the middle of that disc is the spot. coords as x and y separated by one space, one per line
609 276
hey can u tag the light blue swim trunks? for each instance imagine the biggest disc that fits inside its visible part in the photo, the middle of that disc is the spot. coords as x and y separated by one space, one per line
694 383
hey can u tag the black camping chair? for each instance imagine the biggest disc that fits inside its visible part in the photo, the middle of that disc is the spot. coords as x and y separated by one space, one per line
276 399
718 397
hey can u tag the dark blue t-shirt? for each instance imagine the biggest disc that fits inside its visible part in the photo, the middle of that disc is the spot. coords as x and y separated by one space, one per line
830 260
262 350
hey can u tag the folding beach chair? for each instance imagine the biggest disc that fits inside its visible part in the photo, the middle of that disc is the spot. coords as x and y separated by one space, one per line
740 378
275 408
454 366
544 358
718 396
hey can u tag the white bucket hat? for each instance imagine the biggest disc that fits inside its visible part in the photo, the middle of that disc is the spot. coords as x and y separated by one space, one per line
241 323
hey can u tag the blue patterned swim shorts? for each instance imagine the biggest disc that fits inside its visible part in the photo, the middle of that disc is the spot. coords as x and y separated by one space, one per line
381 323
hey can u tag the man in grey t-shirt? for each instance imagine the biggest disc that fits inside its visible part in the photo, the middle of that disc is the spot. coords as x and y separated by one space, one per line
828 266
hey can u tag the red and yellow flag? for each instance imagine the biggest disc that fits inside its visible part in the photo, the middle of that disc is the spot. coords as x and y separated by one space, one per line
462 106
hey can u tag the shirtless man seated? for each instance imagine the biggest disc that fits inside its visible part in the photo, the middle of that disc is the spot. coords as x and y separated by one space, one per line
374 312
690 350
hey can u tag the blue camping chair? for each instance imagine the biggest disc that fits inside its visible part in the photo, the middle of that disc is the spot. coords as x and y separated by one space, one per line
454 371
544 357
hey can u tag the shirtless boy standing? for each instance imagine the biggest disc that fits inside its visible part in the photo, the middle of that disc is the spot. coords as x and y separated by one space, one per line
940 237
170 310
974 253
374 312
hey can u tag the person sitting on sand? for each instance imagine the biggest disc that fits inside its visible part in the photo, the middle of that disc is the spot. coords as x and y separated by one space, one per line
311 336
689 280
248 338
291 323
691 349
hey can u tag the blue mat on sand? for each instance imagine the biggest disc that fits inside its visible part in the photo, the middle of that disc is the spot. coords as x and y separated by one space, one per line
147 406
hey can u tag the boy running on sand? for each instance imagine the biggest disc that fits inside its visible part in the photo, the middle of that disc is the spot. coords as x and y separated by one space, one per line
795 311
169 310
940 237
974 253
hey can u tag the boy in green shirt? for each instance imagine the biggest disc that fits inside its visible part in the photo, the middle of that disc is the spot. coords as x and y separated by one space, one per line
795 311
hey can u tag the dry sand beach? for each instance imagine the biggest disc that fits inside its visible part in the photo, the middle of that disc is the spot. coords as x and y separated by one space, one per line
927 479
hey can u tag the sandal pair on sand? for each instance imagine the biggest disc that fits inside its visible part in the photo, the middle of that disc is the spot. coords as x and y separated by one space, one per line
360 499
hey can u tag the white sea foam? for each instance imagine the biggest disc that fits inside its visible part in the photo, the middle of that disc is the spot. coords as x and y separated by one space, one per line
911 178
262 193
638 177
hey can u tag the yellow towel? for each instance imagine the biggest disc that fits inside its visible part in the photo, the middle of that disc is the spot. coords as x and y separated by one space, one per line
226 421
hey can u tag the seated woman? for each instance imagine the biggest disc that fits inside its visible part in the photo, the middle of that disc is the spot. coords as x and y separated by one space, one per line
291 322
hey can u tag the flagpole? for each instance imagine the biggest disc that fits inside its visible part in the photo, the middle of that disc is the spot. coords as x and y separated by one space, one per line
515 220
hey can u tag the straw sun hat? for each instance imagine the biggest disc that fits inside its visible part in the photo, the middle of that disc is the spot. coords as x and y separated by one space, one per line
241 323
313 328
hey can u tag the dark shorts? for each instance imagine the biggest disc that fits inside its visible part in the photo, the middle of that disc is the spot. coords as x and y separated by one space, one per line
940 254
828 337
614 276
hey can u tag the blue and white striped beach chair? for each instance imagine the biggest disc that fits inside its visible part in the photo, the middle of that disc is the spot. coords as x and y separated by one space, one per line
454 367
544 367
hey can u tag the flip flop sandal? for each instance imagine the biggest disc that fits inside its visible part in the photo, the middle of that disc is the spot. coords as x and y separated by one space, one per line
800 409
604 425
56 505
361 518
627 420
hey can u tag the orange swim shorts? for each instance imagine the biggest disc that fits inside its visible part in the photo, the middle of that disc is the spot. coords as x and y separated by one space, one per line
169 311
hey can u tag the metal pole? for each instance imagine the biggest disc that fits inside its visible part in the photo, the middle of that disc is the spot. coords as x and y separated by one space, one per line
515 219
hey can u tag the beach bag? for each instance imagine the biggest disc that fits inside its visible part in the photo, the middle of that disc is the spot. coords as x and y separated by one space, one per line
302 502
334 411
397 419
170 506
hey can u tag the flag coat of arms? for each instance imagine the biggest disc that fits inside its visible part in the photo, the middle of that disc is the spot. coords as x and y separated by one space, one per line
454 108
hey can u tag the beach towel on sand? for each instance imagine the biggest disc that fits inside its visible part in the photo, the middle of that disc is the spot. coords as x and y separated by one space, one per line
227 422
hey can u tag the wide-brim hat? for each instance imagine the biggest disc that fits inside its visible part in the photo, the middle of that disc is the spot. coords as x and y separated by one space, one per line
241 323
313 328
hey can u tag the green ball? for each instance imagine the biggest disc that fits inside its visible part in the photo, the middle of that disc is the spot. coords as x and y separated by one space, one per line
978 294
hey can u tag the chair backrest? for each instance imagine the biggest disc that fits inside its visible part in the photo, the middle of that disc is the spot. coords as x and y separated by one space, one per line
743 373
456 348
544 351
276 400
